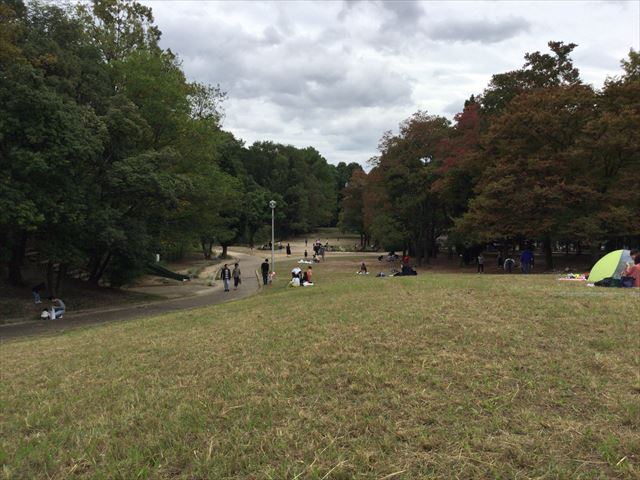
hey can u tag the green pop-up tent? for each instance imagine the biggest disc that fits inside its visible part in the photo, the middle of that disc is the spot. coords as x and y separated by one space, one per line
610 266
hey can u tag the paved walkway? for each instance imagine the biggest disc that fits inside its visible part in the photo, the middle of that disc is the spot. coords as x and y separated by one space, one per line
211 296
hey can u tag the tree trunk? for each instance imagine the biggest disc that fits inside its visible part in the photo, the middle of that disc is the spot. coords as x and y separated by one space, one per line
62 272
206 249
50 283
224 250
548 253
98 270
427 248
94 264
17 258
103 268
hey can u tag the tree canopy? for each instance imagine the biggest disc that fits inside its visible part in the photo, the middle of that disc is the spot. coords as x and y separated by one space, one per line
108 154
538 156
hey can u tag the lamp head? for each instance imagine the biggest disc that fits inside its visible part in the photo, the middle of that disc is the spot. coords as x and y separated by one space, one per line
272 204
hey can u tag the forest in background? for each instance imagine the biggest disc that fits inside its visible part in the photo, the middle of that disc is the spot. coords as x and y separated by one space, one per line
108 154
538 157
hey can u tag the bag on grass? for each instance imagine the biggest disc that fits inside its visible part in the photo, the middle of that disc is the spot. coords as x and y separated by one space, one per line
627 282
608 282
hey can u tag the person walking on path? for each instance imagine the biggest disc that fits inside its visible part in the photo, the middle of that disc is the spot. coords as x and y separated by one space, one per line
236 276
264 268
306 240
225 275
305 254
288 250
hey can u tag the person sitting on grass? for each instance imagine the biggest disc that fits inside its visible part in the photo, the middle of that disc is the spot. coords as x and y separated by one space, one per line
57 309
363 269
634 271
509 263
296 277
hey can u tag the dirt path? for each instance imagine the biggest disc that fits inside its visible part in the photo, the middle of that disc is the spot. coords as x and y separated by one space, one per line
200 298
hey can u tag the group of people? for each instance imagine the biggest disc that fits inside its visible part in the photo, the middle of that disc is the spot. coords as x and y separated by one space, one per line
226 274
526 262
56 309
318 250
300 278
405 268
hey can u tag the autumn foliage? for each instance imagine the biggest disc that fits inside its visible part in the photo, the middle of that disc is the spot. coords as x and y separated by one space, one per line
538 156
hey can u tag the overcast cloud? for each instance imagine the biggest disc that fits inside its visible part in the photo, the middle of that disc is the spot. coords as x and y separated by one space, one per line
335 75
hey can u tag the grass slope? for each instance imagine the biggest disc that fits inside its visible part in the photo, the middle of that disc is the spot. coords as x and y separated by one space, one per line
435 376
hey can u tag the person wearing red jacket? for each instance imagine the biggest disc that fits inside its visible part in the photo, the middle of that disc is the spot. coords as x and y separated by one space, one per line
634 271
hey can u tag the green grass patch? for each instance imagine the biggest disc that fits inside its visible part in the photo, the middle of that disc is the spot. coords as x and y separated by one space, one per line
435 376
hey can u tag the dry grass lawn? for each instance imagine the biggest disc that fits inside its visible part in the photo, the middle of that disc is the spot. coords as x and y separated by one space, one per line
435 376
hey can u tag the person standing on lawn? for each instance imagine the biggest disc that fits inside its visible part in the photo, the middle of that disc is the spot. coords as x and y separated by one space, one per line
36 290
480 261
309 274
225 275
236 276
526 260
264 268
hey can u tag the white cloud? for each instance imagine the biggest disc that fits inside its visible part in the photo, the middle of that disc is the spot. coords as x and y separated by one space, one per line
336 75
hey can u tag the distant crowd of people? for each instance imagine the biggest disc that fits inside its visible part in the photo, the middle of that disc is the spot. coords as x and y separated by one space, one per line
508 264
318 250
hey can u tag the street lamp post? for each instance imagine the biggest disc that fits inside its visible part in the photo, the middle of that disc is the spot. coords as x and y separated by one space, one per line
272 204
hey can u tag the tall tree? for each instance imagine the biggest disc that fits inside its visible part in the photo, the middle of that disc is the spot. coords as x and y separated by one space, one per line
534 185
407 165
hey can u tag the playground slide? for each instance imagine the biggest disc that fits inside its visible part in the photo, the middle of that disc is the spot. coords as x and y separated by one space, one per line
163 272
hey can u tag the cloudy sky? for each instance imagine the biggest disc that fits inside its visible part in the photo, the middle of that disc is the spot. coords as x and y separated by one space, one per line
335 75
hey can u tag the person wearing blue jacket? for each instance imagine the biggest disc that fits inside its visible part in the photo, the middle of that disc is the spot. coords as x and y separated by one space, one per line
526 260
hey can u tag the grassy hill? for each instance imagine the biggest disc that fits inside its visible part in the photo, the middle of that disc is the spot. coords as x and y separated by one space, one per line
435 376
